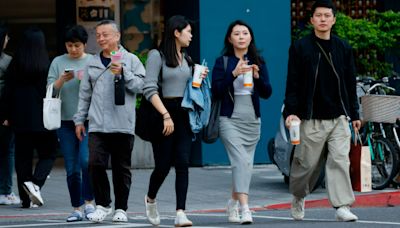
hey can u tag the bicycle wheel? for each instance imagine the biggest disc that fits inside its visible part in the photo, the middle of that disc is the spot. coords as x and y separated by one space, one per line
385 164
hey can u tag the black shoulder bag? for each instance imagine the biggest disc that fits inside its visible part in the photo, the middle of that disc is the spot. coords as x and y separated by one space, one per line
149 122
211 131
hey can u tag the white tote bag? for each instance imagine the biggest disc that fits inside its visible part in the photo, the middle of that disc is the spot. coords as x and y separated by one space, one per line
51 110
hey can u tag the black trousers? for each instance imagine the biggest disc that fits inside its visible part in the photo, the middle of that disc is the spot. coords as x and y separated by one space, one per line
45 144
119 146
173 150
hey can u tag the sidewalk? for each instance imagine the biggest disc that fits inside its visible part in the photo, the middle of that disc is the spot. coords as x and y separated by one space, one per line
209 190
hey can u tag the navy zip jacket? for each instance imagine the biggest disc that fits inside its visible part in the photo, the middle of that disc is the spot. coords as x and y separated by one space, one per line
222 84
304 61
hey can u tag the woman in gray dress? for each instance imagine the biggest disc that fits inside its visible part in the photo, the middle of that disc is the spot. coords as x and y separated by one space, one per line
239 79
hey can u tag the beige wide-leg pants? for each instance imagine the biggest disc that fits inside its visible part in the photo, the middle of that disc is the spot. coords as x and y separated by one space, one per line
310 155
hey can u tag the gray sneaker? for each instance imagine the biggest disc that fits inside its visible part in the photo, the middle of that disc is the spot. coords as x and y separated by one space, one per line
34 193
297 208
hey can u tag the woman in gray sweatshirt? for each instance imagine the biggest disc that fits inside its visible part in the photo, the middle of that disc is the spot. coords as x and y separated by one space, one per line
169 68
64 75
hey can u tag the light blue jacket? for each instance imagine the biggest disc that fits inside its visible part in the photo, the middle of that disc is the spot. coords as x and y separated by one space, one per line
96 96
198 103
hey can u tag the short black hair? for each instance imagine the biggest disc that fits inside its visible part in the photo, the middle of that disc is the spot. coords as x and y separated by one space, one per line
76 33
323 3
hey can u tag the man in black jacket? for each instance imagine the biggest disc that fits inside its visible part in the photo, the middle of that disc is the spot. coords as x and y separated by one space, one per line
321 92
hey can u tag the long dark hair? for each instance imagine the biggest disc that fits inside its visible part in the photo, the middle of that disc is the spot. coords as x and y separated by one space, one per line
3 34
252 52
167 46
31 60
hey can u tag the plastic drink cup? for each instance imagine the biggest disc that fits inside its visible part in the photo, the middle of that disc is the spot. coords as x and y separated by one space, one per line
197 79
116 57
294 132
248 78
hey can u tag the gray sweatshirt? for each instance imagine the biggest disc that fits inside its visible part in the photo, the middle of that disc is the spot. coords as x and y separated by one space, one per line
70 90
96 96
174 79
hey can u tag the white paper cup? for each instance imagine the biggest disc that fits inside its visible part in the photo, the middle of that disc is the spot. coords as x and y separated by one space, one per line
294 132
248 78
197 79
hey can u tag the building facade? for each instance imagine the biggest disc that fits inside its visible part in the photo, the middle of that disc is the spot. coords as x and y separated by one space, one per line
141 23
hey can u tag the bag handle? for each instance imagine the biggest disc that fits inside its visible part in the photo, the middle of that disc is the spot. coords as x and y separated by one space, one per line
49 92
357 138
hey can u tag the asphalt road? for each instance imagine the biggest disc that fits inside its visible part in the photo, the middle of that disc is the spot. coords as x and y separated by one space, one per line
209 190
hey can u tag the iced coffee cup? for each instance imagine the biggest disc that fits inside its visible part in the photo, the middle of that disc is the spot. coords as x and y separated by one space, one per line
294 131
248 78
197 79
116 57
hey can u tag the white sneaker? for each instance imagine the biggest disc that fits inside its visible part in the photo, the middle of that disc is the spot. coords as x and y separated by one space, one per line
120 216
246 217
34 193
297 208
99 214
344 214
151 212
181 220
232 210
9 199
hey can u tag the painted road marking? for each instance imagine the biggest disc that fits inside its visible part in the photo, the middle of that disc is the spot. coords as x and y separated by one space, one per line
108 224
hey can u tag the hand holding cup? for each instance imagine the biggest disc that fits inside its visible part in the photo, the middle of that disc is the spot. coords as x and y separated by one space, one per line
116 66
293 123
200 72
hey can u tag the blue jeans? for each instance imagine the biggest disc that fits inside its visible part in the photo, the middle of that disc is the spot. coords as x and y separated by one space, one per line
76 160
6 160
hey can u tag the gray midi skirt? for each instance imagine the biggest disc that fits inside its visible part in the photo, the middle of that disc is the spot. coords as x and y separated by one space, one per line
240 135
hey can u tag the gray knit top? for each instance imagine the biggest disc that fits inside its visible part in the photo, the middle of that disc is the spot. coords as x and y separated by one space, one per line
174 79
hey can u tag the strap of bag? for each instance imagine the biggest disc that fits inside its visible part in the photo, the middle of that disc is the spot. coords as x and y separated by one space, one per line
49 92
357 138
327 58
97 78
225 58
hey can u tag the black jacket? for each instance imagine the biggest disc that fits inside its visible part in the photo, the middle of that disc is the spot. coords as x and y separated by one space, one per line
22 103
304 59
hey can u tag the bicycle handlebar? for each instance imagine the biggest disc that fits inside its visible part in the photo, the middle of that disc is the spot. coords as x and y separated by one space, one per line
380 85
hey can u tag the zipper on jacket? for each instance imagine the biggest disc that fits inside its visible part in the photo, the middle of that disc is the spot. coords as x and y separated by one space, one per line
340 90
315 84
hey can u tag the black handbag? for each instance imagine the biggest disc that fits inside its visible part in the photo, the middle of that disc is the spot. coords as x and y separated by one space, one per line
211 131
149 122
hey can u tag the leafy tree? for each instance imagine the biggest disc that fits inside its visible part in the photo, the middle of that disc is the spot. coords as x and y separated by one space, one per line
371 38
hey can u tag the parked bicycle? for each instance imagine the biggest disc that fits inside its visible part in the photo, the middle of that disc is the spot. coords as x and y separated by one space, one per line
380 111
